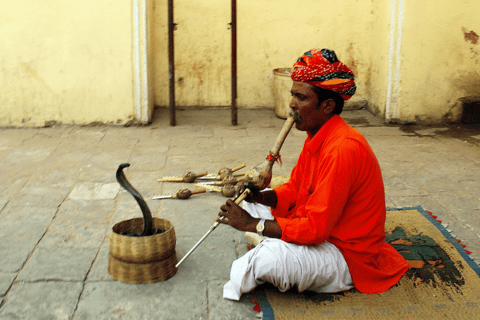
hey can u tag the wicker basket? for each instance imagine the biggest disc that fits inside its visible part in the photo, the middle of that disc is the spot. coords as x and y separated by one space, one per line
141 273
142 259
142 249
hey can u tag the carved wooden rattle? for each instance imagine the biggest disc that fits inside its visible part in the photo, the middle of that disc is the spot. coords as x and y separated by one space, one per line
181 194
224 173
227 190
225 181
187 177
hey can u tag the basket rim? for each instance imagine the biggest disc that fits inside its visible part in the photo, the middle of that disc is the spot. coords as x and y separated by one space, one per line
165 233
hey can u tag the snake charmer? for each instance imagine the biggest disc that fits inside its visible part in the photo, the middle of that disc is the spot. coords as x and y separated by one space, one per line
323 230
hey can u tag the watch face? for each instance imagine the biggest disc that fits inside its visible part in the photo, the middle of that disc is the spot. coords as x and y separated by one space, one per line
260 227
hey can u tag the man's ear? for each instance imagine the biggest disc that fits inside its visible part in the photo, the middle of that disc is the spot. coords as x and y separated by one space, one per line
329 106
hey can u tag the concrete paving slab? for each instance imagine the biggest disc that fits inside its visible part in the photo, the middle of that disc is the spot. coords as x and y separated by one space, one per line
41 300
436 168
90 212
230 134
471 186
389 203
381 131
15 137
102 174
99 270
94 191
465 207
28 155
109 159
147 159
426 202
47 197
17 249
25 221
211 260
6 280
71 158
54 175
83 135
223 309
170 299
187 161
21 228
80 224
68 264
5 151
3 202
127 135
74 235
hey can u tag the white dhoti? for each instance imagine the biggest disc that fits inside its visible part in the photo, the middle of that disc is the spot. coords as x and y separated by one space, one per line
319 268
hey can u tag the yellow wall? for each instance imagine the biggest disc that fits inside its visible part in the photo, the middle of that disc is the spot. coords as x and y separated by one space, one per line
376 76
411 59
270 34
65 61
439 66
102 61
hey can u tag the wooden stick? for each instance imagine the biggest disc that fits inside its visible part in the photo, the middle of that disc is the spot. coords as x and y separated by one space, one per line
238 167
283 135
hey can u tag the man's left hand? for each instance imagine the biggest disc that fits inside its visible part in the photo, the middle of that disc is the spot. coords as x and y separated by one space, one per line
236 217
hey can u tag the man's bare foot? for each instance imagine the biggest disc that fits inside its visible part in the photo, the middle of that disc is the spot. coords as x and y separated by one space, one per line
254 238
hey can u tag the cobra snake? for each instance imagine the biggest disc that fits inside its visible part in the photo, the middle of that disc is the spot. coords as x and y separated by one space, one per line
147 215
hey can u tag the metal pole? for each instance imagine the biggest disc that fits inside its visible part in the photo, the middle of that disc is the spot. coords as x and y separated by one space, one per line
234 62
212 227
171 64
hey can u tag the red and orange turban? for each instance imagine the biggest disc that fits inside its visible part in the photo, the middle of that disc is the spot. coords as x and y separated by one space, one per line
321 68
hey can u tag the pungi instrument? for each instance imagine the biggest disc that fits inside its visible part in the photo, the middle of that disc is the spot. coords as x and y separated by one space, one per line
181 194
224 172
227 190
187 177
258 177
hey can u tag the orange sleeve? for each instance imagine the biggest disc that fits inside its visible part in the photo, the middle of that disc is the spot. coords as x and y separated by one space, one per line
324 199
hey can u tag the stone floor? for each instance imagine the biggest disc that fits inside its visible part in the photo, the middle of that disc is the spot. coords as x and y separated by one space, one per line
59 200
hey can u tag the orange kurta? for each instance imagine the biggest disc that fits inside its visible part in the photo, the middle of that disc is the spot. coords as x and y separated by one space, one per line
336 194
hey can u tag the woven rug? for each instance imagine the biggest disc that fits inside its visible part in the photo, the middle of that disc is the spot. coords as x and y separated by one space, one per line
442 282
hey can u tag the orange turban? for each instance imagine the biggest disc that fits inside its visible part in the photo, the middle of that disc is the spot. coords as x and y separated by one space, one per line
321 68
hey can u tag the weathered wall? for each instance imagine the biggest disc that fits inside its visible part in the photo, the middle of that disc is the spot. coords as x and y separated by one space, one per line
89 61
440 60
414 61
271 34
65 61
378 57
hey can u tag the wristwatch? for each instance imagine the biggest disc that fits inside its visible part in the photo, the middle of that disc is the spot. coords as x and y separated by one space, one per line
260 227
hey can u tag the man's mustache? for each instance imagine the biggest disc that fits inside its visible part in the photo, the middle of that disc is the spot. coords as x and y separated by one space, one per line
296 116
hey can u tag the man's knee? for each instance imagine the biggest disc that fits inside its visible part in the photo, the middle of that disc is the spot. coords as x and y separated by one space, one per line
269 260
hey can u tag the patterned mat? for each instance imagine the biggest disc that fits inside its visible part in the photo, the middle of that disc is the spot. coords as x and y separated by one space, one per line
442 282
